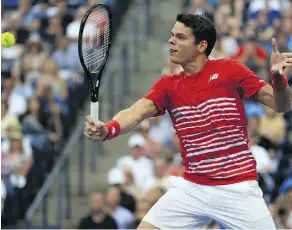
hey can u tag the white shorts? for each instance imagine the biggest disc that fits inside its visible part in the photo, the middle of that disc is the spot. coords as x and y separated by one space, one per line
187 205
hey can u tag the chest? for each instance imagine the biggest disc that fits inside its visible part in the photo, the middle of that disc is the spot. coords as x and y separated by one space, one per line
199 90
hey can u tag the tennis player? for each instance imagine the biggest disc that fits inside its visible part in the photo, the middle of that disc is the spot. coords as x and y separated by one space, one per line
206 106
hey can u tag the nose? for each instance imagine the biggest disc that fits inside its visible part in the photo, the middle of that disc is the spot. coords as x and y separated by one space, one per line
171 40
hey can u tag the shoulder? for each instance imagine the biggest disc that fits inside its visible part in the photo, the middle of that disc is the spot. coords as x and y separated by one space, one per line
233 66
126 213
85 219
124 160
110 219
225 61
169 77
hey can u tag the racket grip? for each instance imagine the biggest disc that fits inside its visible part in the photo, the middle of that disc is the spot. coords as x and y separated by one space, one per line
94 111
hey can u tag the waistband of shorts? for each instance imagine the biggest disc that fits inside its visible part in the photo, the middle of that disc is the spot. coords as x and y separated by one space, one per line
215 182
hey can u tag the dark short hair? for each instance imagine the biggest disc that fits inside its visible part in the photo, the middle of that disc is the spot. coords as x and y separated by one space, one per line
202 28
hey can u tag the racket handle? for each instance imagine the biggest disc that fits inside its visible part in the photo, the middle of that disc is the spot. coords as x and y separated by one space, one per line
94 110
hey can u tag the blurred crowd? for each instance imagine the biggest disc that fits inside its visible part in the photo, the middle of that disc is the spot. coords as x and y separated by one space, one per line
138 179
42 90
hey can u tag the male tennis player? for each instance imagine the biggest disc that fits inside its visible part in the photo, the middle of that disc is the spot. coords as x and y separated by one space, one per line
205 103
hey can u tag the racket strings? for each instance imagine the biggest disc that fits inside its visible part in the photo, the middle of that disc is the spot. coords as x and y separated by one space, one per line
96 36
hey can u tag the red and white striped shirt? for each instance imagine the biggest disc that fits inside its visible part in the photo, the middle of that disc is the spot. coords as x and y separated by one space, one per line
207 110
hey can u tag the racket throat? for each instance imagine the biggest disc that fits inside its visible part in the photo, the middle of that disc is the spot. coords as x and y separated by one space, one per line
94 93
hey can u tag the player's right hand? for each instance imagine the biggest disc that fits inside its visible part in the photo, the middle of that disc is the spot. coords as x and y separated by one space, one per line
95 130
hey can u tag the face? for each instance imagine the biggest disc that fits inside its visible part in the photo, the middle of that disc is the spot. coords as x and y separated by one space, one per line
16 145
136 151
113 196
34 104
96 202
183 49
160 167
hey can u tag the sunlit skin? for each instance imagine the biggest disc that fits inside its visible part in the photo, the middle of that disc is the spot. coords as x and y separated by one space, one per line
184 51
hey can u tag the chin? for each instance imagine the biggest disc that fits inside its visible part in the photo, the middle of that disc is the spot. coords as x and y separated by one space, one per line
174 60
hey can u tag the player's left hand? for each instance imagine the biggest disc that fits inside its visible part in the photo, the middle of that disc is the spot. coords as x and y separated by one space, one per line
280 62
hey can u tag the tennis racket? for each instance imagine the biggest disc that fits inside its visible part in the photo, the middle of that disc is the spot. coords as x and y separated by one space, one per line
94 42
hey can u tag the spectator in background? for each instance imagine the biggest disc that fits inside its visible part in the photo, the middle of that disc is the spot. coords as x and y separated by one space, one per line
67 60
61 9
15 26
7 120
161 175
251 54
33 60
254 128
16 101
272 126
54 30
284 205
72 29
143 206
98 218
201 7
122 216
271 7
59 88
263 163
135 161
42 137
218 51
17 162
117 178
153 195
129 185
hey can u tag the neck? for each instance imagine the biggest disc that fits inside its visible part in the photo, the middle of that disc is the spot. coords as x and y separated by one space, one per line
195 66
98 217
111 209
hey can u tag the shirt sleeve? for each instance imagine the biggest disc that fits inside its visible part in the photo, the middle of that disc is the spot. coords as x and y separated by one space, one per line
247 80
157 95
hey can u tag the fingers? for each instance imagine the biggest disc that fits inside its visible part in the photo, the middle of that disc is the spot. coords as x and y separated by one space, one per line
287 64
93 129
90 120
274 45
289 55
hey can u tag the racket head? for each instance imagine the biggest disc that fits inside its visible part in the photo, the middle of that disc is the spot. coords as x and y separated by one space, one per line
94 42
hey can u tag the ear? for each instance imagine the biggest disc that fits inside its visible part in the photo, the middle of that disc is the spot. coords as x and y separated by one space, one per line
202 46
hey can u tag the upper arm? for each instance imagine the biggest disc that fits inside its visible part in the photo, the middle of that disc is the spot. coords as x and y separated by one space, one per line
266 96
245 78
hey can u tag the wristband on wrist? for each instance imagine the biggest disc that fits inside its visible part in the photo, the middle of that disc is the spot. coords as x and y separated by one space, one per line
114 129
279 83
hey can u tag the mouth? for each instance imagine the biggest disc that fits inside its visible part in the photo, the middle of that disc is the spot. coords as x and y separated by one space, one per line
172 51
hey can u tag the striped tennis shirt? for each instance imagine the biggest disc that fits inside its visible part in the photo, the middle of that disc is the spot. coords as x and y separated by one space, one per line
207 111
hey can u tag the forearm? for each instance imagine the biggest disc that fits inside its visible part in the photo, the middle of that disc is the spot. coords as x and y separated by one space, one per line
127 120
283 100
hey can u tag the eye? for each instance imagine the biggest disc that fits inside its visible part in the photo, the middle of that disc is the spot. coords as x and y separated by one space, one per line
180 37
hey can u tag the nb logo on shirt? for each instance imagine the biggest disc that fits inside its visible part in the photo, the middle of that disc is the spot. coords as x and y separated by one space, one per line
214 76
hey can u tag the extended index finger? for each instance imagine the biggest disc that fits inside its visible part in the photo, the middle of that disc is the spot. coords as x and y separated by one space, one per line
274 45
